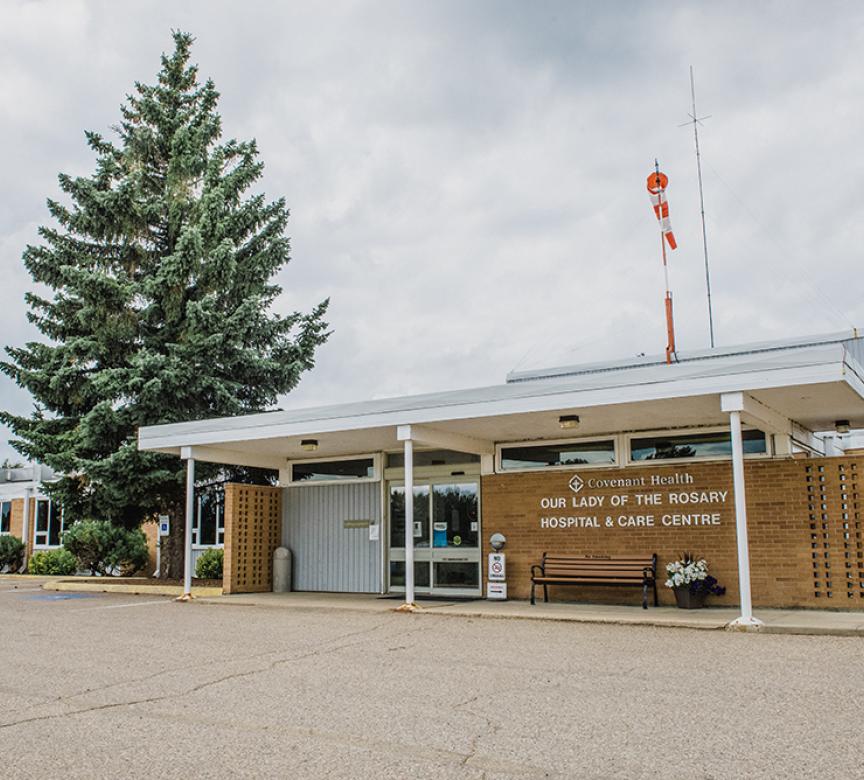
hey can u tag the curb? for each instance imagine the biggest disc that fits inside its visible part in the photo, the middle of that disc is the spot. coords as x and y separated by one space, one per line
26 577
445 611
129 589
595 620
440 611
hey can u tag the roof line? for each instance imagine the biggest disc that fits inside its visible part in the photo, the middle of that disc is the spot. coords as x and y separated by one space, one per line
756 348
529 391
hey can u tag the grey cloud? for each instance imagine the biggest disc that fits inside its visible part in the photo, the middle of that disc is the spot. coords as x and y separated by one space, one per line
466 179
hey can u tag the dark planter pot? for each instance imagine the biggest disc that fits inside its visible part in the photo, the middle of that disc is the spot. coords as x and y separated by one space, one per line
688 600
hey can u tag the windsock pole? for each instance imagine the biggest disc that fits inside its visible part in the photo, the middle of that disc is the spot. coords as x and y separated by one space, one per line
670 322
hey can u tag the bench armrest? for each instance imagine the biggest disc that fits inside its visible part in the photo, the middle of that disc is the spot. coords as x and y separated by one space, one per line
648 573
537 567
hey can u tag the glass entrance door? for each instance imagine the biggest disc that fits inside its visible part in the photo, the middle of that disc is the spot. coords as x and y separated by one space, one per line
446 537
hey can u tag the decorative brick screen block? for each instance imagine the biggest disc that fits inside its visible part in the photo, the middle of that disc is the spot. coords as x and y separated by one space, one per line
833 505
804 525
253 530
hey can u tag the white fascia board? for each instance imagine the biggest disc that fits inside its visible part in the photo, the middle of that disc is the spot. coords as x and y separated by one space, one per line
755 413
233 457
432 437
853 374
12 490
519 398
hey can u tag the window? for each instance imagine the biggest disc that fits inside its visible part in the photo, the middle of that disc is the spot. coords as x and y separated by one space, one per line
694 445
396 460
49 523
209 528
5 517
558 455
333 470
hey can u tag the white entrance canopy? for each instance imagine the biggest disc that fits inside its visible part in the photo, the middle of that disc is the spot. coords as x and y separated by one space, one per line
794 387
789 389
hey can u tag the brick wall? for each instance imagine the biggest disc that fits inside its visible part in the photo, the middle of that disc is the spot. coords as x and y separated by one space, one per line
17 522
151 533
803 518
253 530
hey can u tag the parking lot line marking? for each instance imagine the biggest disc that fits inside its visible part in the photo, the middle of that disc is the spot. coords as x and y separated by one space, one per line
130 604
19 590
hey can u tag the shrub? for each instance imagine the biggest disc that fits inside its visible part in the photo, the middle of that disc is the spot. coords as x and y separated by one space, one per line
105 548
209 564
11 552
59 562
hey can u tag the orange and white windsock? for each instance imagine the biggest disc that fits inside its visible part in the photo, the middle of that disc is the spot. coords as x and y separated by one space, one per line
657 182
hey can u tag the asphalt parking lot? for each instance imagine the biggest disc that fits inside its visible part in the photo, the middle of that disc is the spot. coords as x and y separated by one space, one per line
95 686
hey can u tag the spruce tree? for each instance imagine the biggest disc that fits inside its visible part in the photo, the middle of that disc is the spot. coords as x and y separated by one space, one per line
160 268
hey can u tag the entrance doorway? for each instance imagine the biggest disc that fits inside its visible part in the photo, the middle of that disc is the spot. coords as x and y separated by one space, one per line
446 536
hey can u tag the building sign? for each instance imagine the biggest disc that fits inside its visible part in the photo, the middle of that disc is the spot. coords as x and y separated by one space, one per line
660 500
356 523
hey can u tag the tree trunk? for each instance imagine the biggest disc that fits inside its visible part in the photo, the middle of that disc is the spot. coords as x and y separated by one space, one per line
173 553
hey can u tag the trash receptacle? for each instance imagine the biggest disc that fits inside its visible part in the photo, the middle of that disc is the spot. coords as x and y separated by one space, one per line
281 570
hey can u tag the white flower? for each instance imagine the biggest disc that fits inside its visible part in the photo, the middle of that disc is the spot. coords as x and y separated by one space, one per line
684 572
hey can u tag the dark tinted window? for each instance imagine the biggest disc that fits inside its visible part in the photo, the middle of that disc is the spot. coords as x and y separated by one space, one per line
42 517
396 460
539 456
210 517
695 445
361 468
5 517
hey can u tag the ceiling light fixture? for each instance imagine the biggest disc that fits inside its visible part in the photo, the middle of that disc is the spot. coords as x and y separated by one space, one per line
310 445
841 426
567 421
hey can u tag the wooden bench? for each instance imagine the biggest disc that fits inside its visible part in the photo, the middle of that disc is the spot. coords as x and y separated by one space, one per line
556 569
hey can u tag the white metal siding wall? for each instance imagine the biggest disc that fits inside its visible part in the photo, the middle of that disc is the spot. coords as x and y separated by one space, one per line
326 555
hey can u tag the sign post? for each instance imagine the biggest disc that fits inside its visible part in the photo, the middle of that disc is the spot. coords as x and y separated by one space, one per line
496 577
164 530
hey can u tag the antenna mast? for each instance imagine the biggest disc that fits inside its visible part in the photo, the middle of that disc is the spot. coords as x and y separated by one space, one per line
696 121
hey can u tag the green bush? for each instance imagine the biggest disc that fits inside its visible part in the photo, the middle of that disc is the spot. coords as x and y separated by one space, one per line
11 552
105 548
59 562
209 564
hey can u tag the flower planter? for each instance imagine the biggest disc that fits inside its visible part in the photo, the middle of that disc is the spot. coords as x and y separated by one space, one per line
686 599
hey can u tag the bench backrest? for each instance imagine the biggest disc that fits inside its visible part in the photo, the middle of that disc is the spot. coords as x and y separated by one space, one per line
557 565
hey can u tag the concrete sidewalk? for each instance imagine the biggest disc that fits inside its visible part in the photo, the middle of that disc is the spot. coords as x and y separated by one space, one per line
776 621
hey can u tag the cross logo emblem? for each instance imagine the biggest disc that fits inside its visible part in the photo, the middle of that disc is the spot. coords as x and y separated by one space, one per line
576 483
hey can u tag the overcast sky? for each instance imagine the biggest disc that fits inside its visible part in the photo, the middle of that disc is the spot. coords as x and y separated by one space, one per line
467 179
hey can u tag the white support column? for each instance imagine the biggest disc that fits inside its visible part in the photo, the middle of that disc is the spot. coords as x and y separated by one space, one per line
405 434
409 523
190 519
746 620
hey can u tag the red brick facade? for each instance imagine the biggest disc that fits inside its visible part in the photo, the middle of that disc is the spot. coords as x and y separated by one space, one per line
804 519
16 526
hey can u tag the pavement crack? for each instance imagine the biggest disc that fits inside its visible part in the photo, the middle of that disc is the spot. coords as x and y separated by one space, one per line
201 686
